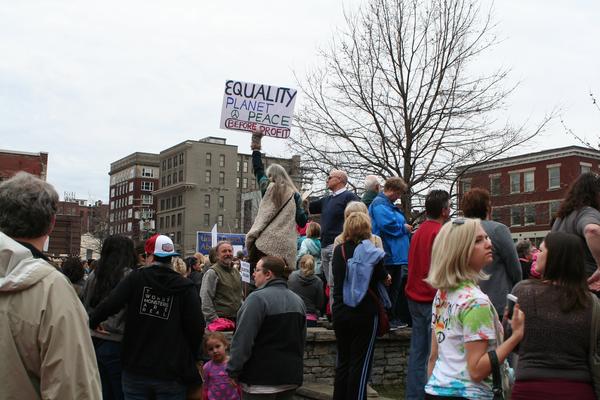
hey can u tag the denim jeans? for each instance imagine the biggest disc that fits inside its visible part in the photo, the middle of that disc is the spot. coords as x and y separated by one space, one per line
326 256
399 311
420 347
108 356
139 387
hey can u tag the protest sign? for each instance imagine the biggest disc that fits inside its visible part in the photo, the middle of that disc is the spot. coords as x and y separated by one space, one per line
251 106
245 271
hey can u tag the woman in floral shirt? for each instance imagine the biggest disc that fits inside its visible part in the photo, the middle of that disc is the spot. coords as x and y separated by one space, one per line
465 325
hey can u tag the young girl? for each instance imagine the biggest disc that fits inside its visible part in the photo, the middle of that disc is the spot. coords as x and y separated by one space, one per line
217 385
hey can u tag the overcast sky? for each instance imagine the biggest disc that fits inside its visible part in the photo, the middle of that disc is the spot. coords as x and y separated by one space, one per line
91 82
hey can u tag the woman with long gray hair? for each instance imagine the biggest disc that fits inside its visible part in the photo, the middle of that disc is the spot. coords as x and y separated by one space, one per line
274 230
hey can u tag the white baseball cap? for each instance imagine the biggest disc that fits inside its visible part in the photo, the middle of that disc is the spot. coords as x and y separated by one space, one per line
160 246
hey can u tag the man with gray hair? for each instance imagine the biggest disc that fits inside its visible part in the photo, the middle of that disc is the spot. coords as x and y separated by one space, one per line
332 209
45 343
372 188
221 290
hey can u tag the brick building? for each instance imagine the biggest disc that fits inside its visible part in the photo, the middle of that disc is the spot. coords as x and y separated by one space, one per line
131 204
65 239
526 190
12 162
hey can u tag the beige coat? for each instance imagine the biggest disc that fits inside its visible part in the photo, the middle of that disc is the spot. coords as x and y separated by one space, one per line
275 237
45 343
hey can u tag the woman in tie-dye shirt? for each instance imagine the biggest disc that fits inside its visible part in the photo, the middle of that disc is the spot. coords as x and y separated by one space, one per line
465 325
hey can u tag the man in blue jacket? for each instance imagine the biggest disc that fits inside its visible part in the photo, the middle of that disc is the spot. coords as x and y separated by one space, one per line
389 223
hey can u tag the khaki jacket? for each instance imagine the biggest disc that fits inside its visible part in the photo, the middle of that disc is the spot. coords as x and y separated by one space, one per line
45 346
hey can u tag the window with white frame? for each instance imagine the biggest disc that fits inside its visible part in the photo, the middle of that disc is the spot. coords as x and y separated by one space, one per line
130 213
529 214
147 172
129 226
495 188
112 192
207 176
244 183
516 216
529 181
206 219
515 183
208 159
466 186
554 177
207 201
131 186
553 208
221 160
221 178
245 166
585 168
148 186
130 199
220 220
221 201
147 199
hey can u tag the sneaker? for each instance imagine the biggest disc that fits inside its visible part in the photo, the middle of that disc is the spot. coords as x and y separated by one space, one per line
395 325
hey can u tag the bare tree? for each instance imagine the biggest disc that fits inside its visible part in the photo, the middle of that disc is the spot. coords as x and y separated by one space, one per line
581 138
397 95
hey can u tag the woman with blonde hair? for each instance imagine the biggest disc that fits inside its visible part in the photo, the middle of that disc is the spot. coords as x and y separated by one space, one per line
355 327
465 324
309 287
358 206
273 232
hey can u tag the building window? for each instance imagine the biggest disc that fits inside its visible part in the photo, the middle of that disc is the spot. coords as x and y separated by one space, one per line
495 215
147 199
208 159
168 203
168 221
528 182
147 173
169 164
179 217
207 177
585 168
221 160
162 222
466 186
206 219
174 161
112 192
130 213
173 201
174 177
530 214
221 201
162 181
178 236
130 199
181 176
181 159
244 183
129 226
220 220
237 168
553 207
495 188
207 201
180 200
516 215
515 183
237 182
164 165
168 179
131 186
553 177
221 178
173 220
245 166
149 186
162 204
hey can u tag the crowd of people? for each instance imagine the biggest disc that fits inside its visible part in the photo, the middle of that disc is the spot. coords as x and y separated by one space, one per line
144 322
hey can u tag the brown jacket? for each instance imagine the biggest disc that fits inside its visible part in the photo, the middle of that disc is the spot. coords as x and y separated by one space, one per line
45 344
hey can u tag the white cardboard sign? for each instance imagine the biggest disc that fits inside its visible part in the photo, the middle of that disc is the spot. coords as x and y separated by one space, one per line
245 271
252 106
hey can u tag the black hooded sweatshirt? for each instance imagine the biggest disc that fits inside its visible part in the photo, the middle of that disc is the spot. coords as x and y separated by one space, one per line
164 323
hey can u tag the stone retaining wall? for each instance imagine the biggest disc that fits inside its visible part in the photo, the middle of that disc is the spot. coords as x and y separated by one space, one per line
389 361
389 364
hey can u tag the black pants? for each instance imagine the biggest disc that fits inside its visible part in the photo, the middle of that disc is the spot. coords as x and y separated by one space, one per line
355 346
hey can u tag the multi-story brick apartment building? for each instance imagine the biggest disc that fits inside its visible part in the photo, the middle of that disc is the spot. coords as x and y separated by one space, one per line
206 182
526 190
131 205
12 162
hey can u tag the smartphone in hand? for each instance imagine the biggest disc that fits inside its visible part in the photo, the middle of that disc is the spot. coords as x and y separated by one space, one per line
510 303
